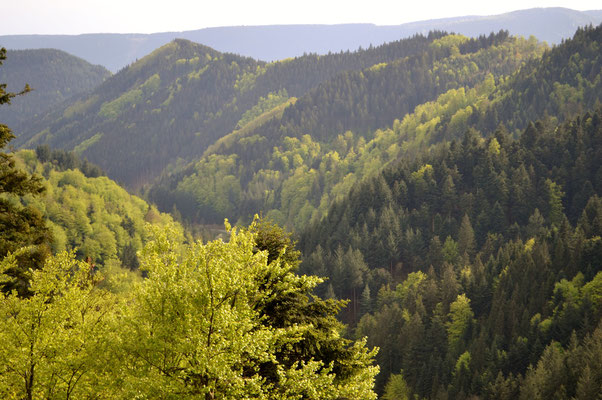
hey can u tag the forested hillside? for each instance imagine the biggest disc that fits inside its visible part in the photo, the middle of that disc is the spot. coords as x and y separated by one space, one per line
168 107
475 261
88 213
54 76
475 265
296 163
209 320
564 82
448 189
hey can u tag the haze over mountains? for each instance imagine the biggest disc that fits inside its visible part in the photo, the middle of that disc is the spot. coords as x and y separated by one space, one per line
449 187
261 132
277 42
151 114
54 77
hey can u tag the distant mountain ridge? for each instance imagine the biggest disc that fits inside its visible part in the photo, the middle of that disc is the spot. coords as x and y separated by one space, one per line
292 167
277 42
53 75
151 114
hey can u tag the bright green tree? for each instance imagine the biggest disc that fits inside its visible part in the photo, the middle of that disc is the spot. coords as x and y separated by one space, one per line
203 325
461 318
397 388
53 340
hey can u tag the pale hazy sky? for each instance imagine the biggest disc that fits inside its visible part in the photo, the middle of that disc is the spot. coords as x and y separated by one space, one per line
146 16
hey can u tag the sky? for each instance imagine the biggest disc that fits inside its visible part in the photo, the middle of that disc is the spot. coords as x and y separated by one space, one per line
147 16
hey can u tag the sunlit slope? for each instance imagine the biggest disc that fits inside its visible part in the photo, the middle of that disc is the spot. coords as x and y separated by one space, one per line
174 103
293 167
89 213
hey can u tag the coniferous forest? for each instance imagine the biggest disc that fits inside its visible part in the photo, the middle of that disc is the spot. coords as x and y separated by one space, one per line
416 220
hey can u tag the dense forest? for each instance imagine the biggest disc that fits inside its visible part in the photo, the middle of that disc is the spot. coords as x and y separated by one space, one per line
466 264
293 163
86 212
102 296
54 76
302 146
445 199
121 125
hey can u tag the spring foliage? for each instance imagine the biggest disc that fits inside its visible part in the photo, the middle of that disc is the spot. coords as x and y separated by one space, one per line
197 327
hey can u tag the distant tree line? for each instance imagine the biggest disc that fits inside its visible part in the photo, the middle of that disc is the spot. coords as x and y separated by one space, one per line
63 160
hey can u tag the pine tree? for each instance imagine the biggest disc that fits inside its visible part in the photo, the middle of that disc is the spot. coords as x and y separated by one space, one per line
366 300
466 240
289 303
555 195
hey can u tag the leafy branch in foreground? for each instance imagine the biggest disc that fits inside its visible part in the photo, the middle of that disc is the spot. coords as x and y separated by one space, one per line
212 320
53 340
217 320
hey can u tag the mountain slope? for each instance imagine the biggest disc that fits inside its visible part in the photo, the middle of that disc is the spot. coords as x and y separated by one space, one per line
54 76
474 264
129 119
177 101
277 42
88 213
462 266
564 82
295 165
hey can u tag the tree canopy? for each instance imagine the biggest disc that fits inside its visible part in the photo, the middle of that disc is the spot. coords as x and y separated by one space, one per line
201 325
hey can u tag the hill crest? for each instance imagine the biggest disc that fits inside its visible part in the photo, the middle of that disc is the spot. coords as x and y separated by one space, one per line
283 41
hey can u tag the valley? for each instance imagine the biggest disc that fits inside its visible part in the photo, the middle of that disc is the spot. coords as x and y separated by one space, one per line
416 219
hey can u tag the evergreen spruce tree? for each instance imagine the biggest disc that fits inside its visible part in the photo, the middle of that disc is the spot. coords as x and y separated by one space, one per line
289 303
466 239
